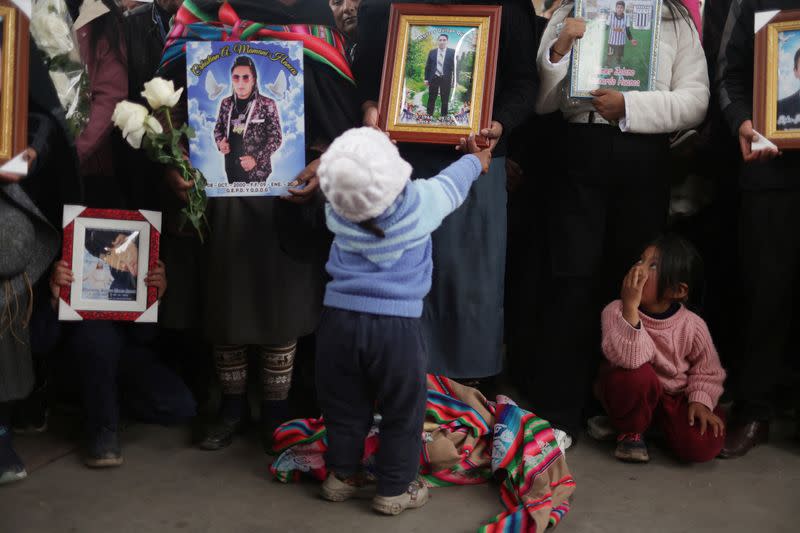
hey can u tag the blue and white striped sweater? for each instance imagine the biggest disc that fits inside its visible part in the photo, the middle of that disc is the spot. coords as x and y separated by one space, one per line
391 276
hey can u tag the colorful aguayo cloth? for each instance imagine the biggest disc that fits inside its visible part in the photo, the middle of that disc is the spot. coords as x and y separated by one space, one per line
467 440
320 43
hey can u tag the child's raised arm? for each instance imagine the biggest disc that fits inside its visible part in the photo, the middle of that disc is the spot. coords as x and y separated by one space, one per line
445 192
624 345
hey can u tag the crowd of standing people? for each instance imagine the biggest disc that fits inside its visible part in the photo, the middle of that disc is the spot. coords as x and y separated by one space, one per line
553 255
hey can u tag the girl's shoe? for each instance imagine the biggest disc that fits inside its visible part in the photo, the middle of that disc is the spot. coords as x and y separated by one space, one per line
631 448
11 466
104 450
414 497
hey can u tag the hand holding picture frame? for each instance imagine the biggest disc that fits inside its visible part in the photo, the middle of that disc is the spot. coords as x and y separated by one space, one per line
13 82
776 80
439 72
110 253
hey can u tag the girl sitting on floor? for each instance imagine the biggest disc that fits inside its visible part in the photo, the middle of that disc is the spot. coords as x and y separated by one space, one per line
661 366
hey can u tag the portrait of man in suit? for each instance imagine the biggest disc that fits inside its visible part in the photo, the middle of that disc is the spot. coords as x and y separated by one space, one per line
439 70
789 107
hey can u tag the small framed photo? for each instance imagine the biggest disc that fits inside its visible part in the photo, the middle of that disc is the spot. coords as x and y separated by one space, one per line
246 106
13 82
439 72
776 83
619 49
110 252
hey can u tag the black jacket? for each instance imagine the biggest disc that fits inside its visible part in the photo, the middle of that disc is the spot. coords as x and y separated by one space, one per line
735 65
448 66
145 32
789 107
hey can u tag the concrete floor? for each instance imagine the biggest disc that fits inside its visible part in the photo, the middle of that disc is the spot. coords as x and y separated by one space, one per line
165 485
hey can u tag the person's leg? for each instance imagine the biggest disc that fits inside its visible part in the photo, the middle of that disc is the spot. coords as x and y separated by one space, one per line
770 259
149 391
277 363
11 466
231 364
619 52
685 441
630 397
97 347
565 357
344 395
445 97
397 374
433 91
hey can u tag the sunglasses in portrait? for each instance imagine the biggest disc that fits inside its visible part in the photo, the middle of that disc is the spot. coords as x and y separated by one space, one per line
242 77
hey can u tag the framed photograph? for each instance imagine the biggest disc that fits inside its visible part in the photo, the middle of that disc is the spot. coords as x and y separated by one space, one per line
620 47
110 252
13 82
776 82
438 72
246 105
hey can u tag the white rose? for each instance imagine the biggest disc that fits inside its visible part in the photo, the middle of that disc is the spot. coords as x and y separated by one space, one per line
161 93
130 118
152 124
50 31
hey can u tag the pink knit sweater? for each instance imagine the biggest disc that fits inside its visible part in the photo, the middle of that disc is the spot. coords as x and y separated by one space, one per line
679 348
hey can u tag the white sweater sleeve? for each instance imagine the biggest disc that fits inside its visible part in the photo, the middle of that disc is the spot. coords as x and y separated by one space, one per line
685 104
551 76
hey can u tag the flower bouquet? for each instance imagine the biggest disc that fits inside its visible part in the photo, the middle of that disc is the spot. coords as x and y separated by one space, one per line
51 28
163 143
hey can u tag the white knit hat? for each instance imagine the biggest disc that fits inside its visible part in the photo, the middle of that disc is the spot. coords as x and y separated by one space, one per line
362 174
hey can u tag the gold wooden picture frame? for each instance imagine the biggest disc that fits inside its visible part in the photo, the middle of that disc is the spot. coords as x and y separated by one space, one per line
779 35
14 37
425 102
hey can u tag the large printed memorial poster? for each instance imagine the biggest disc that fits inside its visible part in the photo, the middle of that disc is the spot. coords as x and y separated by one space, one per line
246 105
620 47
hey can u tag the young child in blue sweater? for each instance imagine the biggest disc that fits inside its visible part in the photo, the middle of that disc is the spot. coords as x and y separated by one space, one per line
370 350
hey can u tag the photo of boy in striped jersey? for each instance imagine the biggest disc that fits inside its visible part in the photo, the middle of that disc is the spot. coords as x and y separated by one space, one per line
619 30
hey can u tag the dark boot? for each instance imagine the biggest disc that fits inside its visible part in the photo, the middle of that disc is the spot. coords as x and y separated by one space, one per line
232 419
743 437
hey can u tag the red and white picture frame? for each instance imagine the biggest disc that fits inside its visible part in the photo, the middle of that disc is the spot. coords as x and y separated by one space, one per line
110 252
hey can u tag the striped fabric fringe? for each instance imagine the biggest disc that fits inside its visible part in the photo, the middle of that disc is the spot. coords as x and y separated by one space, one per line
505 442
320 43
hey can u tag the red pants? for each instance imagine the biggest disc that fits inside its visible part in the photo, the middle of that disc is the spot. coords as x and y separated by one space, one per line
634 399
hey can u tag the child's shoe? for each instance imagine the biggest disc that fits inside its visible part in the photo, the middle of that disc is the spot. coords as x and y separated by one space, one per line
335 489
631 448
104 450
416 496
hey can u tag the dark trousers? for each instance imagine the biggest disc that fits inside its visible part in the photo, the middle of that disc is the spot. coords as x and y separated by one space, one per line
635 400
617 51
611 199
770 271
439 85
366 361
117 367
